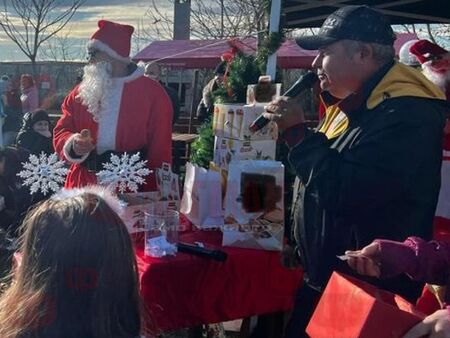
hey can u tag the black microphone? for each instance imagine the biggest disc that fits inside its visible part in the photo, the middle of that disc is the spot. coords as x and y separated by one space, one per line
307 81
217 255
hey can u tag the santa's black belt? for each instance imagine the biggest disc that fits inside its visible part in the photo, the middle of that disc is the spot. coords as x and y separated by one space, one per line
94 162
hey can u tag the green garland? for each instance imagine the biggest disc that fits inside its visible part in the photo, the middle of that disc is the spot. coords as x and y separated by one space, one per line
202 149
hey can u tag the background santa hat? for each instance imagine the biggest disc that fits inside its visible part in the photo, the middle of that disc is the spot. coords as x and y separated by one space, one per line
426 51
113 39
435 62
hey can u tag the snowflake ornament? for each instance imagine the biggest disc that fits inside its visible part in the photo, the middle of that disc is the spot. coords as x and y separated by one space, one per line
125 172
44 173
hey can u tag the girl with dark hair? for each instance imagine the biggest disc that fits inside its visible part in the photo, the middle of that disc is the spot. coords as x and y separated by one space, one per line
77 274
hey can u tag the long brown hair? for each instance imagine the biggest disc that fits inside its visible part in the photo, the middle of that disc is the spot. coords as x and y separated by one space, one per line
78 276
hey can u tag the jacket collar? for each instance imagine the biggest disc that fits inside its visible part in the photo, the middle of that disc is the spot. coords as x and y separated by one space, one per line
354 102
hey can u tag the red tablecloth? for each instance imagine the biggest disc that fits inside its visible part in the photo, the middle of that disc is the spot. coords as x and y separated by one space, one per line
186 290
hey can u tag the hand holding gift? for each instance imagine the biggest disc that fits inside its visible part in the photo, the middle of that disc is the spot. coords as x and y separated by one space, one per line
365 261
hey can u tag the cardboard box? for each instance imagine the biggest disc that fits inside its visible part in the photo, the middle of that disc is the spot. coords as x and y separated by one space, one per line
227 150
136 204
351 308
233 121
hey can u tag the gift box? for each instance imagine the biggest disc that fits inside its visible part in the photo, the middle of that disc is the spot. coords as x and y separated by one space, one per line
227 150
351 308
136 204
254 207
234 120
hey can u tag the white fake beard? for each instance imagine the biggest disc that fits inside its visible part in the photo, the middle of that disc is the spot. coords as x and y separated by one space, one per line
96 83
439 79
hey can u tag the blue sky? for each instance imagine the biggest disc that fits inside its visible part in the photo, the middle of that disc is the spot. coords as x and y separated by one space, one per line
84 22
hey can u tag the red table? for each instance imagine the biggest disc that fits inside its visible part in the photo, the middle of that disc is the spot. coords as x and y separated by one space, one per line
186 291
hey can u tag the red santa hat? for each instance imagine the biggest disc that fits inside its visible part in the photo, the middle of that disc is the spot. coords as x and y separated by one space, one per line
113 39
425 50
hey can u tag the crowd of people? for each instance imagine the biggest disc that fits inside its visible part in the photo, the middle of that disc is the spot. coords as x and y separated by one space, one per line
367 178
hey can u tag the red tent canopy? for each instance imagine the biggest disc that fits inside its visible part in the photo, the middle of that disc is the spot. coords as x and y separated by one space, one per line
206 53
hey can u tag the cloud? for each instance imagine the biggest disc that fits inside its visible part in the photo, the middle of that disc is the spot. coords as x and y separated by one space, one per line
84 22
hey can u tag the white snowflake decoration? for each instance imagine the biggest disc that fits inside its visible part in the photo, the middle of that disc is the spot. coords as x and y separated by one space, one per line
124 172
43 173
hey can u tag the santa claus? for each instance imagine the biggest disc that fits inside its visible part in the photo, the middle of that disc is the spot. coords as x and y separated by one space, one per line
435 62
115 109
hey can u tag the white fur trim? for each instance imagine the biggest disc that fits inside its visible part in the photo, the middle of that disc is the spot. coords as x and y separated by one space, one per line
68 146
103 47
109 117
103 192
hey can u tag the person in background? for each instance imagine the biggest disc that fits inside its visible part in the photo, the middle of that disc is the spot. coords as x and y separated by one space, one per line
369 182
75 271
15 199
115 109
36 134
153 71
13 112
406 57
30 95
205 108
420 260
4 86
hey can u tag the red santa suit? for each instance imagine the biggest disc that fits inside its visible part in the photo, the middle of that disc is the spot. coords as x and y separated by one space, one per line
435 62
136 114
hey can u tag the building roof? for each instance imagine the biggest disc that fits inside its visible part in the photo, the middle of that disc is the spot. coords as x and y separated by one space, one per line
191 54
307 13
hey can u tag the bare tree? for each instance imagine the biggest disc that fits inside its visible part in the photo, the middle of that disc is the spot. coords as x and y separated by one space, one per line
61 47
30 23
432 32
212 19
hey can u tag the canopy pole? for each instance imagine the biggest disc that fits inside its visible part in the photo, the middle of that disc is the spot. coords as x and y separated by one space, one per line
275 13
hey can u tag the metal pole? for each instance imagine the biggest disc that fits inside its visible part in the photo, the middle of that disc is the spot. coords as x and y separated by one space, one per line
221 18
275 12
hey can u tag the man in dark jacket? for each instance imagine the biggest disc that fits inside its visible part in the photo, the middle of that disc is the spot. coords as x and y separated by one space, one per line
380 177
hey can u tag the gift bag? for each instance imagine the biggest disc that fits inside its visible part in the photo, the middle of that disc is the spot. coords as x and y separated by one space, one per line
254 208
202 197
350 308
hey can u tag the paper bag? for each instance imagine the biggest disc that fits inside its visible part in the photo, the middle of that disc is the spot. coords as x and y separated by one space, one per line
351 308
202 198
254 207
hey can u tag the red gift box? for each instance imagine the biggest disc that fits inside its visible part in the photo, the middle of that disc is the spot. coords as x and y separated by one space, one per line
350 308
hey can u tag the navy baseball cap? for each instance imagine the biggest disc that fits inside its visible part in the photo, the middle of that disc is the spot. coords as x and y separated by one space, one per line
360 23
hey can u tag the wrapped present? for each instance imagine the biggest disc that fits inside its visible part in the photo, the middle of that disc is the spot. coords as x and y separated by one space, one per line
254 207
167 197
351 308
234 120
227 150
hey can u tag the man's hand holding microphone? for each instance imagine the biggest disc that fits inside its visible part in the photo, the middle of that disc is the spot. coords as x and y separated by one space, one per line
285 110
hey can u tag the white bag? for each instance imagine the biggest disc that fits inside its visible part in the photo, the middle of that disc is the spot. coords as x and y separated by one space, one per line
254 208
202 197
